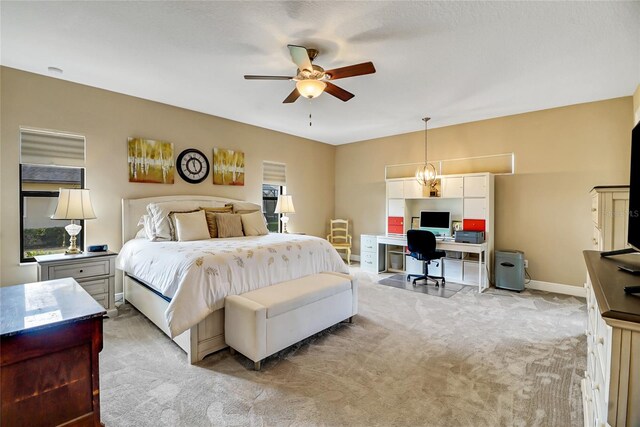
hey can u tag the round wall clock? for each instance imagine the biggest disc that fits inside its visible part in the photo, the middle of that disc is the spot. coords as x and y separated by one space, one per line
193 166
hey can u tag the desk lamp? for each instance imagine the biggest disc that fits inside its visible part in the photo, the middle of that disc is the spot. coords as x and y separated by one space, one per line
284 206
73 204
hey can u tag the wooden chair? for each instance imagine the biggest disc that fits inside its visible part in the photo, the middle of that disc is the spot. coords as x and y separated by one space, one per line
339 236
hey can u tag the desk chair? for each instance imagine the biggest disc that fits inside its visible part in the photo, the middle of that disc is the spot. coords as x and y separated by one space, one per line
422 246
340 238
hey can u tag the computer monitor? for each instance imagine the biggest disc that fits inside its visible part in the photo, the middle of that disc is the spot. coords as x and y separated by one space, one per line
437 222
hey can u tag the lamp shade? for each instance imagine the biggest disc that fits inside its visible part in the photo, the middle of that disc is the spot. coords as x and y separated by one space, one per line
285 205
74 204
310 88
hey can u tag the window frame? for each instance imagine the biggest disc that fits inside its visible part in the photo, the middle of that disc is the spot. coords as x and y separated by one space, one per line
281 190
22 194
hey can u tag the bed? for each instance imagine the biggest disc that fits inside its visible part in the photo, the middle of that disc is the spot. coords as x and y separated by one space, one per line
184 296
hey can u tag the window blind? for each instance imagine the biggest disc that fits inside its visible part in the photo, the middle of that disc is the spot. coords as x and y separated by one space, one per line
50 148
274 173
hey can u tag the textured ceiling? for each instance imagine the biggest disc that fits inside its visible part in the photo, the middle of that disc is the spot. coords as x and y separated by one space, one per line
454 61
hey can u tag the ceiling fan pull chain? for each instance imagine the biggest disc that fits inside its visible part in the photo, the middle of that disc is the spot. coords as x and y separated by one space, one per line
310 112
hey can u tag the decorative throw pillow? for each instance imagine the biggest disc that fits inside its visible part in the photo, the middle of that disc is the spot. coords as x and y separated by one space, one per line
229 225
253 224
244 207
210 213
191 226
172 222
159 213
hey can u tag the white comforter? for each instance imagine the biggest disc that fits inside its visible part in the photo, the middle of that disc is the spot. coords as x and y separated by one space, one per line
198 275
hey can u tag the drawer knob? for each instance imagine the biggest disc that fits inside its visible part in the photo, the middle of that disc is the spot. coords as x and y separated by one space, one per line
593 209
596 387
81 271
587 333
600 340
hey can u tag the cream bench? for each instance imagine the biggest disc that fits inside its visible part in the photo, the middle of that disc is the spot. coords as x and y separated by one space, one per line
262 322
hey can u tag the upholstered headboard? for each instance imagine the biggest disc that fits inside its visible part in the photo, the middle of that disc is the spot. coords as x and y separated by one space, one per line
133 209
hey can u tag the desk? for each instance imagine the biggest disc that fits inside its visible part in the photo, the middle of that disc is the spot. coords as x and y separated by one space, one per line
474 248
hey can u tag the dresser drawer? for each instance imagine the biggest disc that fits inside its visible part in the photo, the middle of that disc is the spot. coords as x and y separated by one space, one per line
594 208
96 286
80 270
368 243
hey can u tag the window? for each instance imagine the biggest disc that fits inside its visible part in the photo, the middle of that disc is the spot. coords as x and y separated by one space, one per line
48 161
273 185
270 195
38 198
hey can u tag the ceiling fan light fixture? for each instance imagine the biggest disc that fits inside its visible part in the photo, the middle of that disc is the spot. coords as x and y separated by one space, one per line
310 88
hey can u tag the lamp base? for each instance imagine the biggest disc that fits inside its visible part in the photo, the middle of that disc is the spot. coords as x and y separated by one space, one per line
284 220
73 229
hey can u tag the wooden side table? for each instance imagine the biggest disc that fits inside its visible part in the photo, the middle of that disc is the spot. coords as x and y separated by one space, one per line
50 334
94 271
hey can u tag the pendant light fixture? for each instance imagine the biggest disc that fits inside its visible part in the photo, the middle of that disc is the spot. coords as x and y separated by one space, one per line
426 174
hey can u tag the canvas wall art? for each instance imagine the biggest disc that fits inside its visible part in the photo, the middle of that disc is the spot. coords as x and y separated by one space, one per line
150 161
228 167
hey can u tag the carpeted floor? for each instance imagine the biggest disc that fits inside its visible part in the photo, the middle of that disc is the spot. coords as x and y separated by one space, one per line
499 358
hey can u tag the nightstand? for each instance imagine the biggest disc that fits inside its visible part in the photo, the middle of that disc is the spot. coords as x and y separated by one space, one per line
94 271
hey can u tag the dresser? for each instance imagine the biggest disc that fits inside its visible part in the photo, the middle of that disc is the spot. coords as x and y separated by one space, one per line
611 387
610 215
94 271
50 335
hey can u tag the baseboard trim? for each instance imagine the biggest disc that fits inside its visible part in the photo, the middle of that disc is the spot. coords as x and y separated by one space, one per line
558 288
119 296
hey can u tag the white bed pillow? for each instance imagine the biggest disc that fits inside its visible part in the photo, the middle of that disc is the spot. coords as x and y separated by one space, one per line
147 230
253 224
244 207
159 214
191 226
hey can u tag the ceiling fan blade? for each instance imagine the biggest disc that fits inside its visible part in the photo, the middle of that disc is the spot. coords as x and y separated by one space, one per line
250 77
351 71
300 57
338 92
293 96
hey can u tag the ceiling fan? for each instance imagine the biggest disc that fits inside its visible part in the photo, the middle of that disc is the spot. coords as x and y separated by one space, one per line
311 80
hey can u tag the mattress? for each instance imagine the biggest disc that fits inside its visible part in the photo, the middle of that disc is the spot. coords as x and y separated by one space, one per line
198 275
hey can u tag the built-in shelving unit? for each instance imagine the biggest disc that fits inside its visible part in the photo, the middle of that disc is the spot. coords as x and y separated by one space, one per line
467 197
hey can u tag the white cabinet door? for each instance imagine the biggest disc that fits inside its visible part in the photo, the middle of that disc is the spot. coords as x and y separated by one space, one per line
452 187
395 189
452 269
475 186
396 207
413 189
474 209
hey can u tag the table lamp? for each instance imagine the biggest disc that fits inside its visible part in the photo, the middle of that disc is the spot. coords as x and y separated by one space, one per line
284 206
73 204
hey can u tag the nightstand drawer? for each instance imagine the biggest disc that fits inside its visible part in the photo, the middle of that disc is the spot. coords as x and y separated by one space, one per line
80 270
102 299
97 286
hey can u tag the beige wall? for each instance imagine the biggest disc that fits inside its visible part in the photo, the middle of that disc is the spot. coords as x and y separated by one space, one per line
544 209
636 105
107 119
